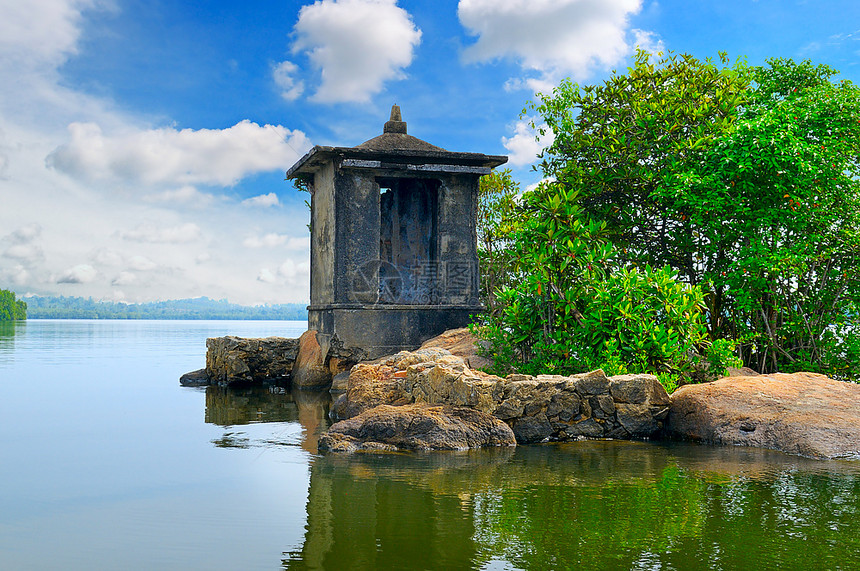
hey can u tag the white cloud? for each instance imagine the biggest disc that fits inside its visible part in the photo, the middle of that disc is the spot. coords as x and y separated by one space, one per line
186 195
267 241
182 234
80 274
124 278
262 201
291 269
141 263
527 142
169 156
27 253
357 45
266 276
18 275
273 240
291 89
24 247
106 257
26 233
124 225
550 39
41 31
648 41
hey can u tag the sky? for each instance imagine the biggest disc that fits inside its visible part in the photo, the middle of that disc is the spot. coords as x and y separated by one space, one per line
143 143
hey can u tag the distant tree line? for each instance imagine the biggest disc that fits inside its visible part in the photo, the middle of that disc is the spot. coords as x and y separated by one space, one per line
11 308
197 308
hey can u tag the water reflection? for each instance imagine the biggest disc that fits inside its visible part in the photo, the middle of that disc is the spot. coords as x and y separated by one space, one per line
239 406
586 505
7 339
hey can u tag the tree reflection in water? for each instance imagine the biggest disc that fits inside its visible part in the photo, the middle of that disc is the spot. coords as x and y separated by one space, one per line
607 504
583 505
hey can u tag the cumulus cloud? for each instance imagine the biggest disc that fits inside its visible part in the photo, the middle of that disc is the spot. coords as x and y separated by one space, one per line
648 41
186 195
266 276
24 247
290 269
357 45
273 240
527 142
80 274
290 87
96 144
19 275
26 234
182 157
141 263
28 253
42 31
550 39
181 234
262 201
106 257
266 241
124 278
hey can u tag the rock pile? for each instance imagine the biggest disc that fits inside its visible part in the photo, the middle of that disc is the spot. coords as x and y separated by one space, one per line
546 407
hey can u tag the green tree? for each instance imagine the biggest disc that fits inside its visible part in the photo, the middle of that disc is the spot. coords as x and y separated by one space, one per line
742 179
574 309
497 216
11 309
774 213
616 142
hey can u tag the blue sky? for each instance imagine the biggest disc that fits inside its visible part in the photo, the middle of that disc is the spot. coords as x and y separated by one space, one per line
143 143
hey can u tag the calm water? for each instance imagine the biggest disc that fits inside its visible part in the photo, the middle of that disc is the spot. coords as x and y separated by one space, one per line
107 463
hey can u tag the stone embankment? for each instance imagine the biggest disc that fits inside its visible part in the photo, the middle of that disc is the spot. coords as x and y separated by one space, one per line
542 408
308 362
801 413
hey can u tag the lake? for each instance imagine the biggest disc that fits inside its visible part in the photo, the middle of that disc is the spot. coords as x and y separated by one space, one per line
107 463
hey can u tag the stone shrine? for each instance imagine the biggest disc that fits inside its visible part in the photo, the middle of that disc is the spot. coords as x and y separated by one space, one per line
393 239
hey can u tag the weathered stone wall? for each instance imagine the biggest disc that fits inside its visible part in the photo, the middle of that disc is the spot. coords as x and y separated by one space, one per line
308 362
236 359
546 407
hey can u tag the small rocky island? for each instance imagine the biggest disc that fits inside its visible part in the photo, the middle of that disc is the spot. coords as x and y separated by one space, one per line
394 263
431 399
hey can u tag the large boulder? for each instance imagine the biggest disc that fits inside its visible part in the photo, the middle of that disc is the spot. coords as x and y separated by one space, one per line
416 427
369 386
241 360
310 370
461 343
801 413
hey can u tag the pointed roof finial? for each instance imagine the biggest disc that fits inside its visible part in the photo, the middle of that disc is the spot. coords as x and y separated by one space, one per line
395 124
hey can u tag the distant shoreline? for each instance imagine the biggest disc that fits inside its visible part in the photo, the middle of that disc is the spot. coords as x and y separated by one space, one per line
201 308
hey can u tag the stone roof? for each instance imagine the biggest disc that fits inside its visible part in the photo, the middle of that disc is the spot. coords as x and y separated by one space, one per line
393 146
394 137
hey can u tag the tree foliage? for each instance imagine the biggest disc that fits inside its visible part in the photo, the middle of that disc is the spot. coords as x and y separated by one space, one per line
743 180
573 309
617 141
11 309
497 216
